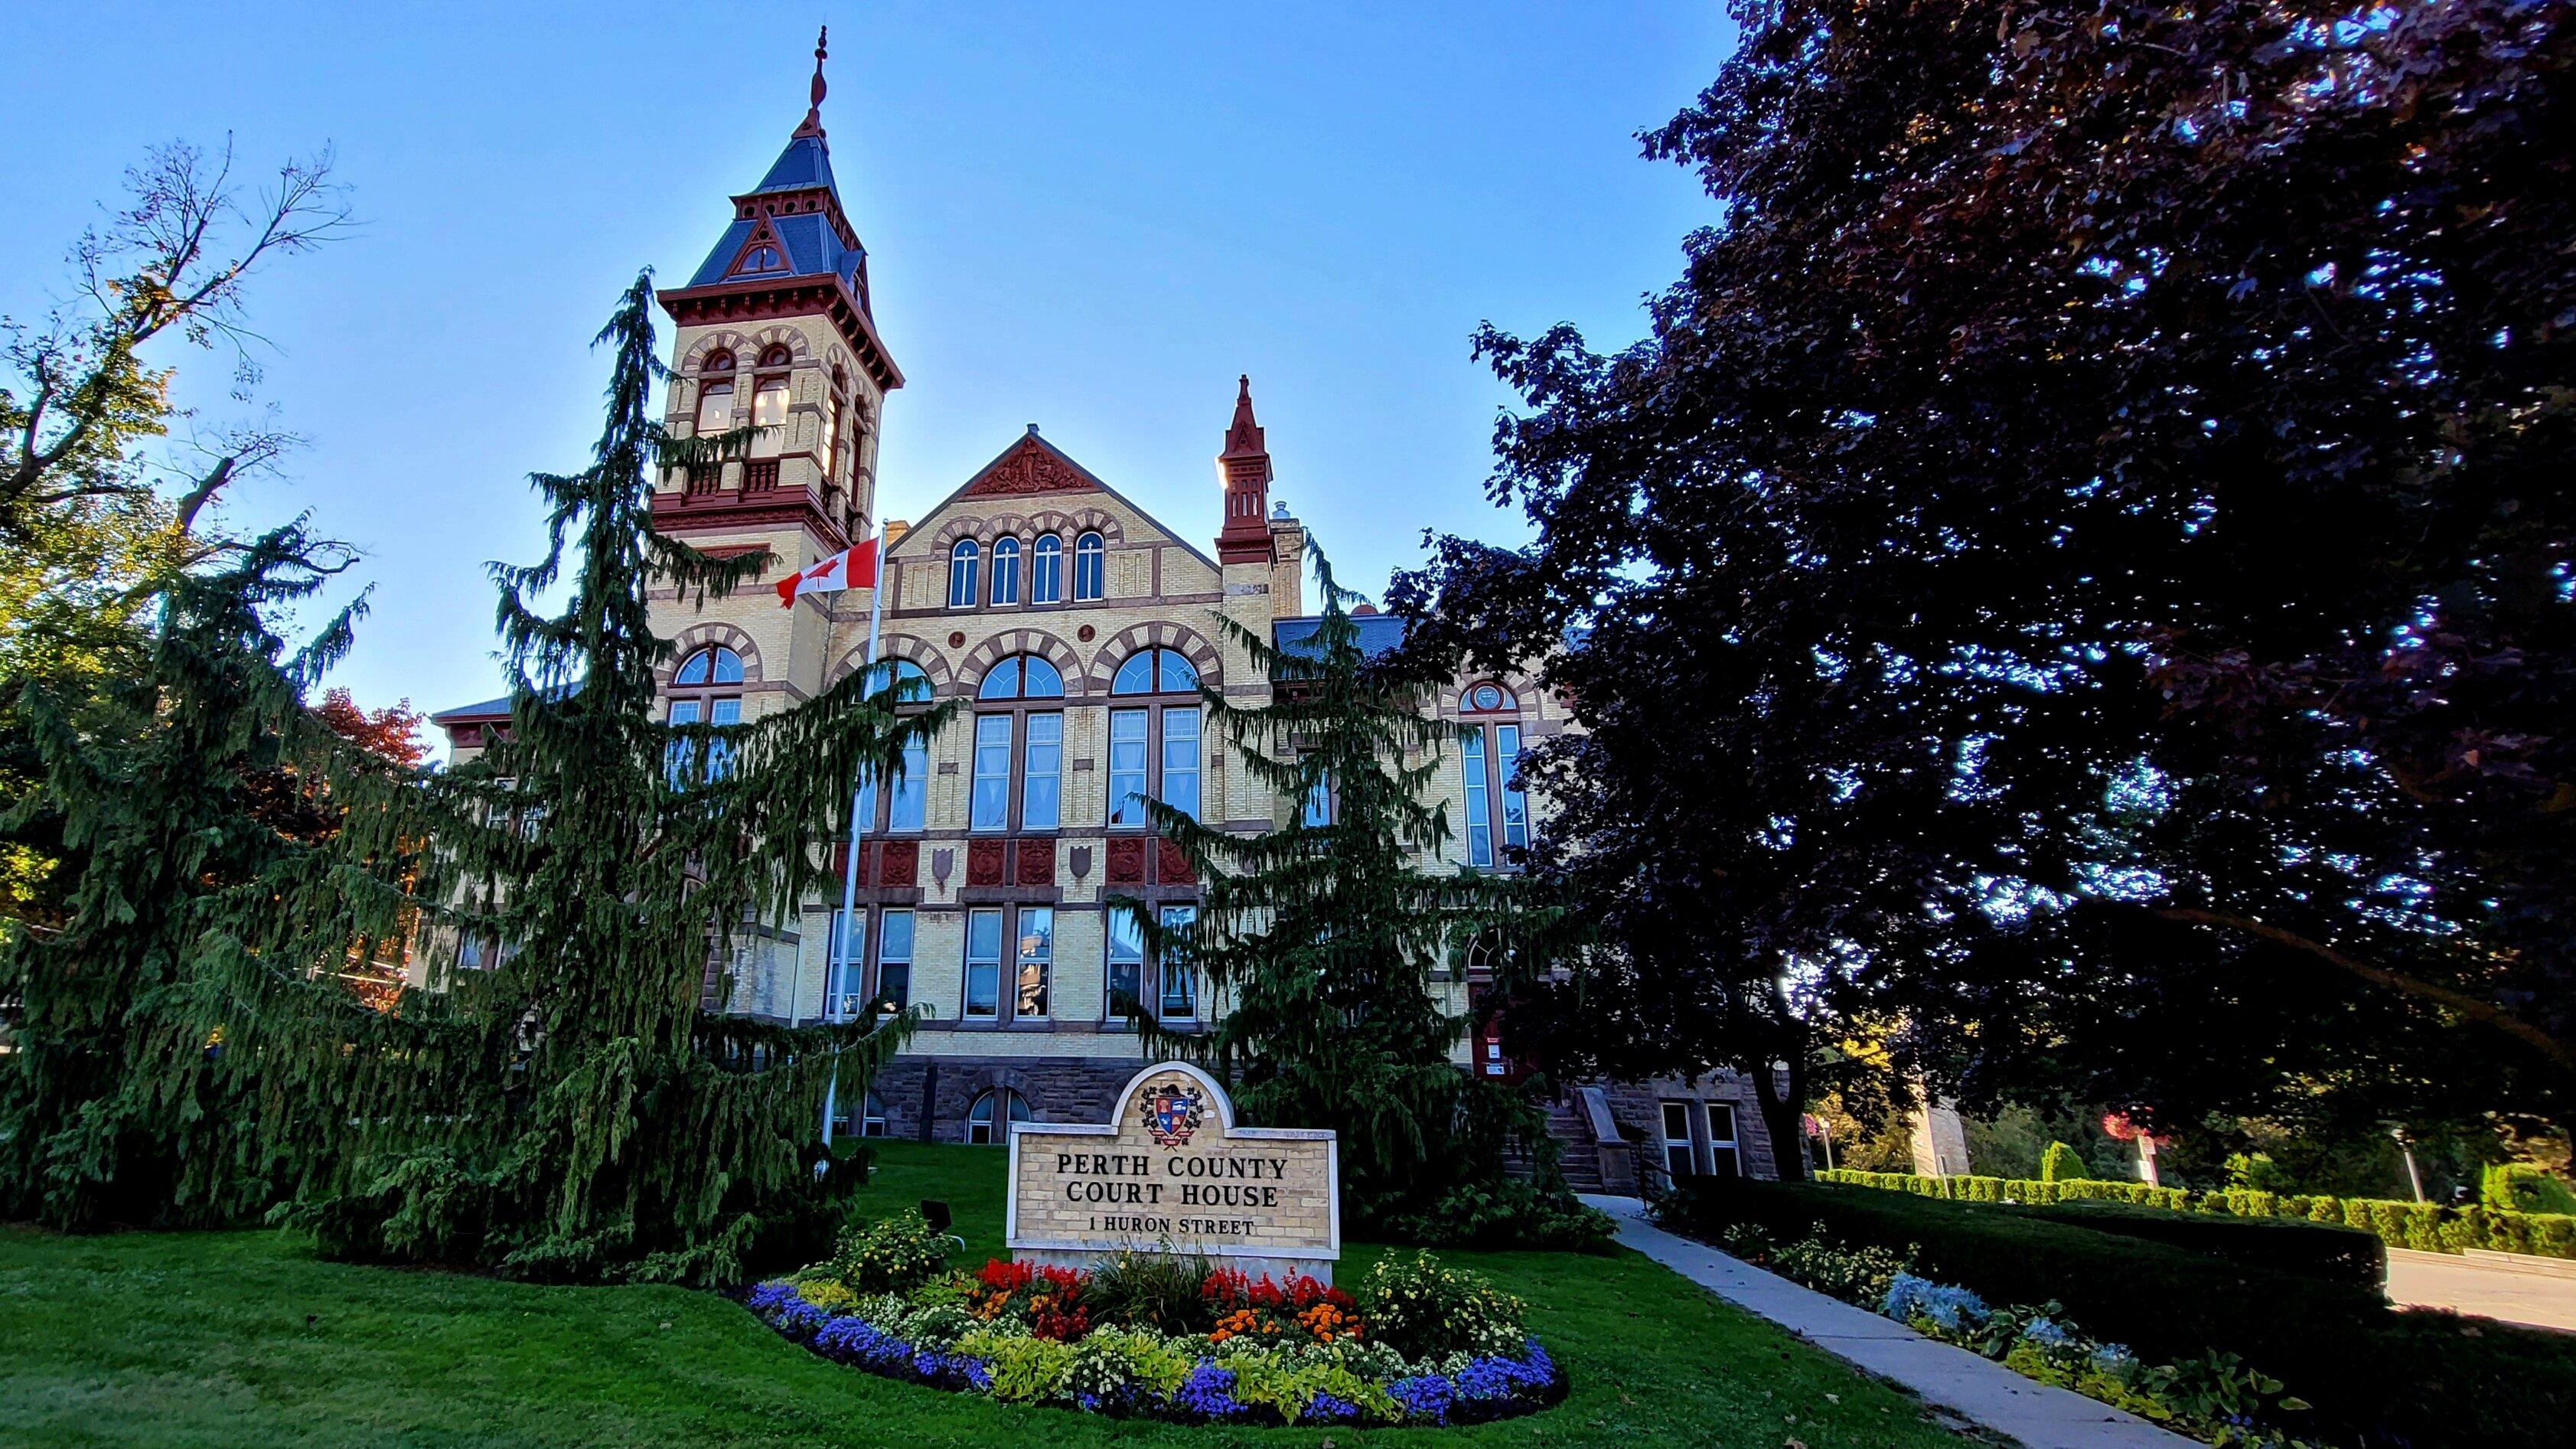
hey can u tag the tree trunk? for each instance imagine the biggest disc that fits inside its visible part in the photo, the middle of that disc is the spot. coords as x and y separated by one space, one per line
1783 1096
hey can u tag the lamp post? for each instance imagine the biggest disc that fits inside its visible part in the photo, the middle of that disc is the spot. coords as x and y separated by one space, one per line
2414 1179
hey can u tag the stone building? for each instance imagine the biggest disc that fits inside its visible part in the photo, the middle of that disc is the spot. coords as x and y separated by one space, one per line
1080 628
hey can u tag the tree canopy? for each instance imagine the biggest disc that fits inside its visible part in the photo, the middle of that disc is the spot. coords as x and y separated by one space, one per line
2075 583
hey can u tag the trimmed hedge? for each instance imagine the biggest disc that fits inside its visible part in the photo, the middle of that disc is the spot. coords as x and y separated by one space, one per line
2327 1251
2424 1227
2375 1376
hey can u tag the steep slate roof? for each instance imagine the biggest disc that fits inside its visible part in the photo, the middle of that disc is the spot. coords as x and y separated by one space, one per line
1031 466
493 708
814 247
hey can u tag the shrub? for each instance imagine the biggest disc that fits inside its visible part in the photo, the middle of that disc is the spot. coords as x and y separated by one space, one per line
2373 1374
2332 1252
1860 1275
2524 1187
2060 1162
1500 1213
1425 1310
891 1255
1161 1291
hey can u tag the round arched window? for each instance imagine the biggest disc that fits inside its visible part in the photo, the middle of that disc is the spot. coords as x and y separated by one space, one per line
1155 671
963 562
1000 1106
1487 699
1090 563
1022 676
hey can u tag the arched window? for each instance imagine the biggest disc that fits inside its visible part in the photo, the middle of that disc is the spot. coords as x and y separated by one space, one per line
835 447
705 689
1090 563
1006 571
769 402
1154 749
961 574
1026 743
1046 570
762 258
1497 811
907 681
1000 1105
907 793
1022 676
715 392
1156 671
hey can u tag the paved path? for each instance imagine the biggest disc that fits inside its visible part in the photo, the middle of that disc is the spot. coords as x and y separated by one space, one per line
2441 1280
2040 1415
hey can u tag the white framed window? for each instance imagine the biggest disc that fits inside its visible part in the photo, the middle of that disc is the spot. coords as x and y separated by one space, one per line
1041 771
894 957
908 802
1179 979
769 414
872 1116
847 995
984 964
963 560
1725 1156
1006 571
990 808
1034 962
715 393
1126 965
1678 1158
1492 756
1090 564
1181 761
1046 570
1127 753
988 1120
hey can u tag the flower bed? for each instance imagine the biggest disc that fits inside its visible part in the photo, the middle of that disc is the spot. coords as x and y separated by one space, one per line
1155 1336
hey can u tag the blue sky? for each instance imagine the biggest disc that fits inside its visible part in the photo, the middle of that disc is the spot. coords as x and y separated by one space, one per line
1091 218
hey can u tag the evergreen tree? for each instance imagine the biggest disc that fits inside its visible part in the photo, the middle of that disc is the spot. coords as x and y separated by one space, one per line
568 1110
1319 939
171 790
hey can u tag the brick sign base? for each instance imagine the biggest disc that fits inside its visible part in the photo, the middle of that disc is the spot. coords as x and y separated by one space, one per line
1170 1172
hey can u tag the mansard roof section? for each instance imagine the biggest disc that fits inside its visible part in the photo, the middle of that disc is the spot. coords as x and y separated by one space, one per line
812 246
804 165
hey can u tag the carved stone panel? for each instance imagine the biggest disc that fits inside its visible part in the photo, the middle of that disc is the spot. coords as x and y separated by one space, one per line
983 862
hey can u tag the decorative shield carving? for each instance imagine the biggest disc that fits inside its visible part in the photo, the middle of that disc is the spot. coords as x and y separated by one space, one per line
1080 859
942 863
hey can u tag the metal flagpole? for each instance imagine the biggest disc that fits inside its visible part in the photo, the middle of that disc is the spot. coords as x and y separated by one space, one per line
862 803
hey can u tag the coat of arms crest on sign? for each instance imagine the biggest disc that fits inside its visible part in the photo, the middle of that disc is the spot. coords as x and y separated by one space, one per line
1172 1111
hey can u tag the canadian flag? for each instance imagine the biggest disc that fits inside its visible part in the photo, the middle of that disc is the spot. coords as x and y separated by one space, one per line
851 568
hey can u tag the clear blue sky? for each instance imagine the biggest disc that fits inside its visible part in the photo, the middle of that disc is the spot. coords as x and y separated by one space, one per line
1088 217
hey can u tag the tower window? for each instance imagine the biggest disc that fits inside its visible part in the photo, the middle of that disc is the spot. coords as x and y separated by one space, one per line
762 258
1090 555
715 392
962 561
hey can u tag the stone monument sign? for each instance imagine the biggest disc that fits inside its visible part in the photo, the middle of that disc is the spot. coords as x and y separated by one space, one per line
1171 1172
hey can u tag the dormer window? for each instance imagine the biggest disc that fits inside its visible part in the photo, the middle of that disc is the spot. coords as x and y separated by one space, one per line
766 257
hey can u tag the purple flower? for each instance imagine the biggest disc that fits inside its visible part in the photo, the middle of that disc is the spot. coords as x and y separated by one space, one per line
1325 1409
1208 1391
1426 1396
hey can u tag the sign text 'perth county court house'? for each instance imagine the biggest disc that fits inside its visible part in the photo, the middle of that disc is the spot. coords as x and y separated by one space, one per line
1171 1172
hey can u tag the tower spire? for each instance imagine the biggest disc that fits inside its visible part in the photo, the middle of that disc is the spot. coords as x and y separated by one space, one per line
1244 469
813 125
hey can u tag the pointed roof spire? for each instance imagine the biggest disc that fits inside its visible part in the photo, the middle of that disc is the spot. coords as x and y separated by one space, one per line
1244 439
813 125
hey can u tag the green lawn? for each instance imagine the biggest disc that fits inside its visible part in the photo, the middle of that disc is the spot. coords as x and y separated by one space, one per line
244 1338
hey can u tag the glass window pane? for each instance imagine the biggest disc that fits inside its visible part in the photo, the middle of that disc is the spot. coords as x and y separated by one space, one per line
894 958
1507 758
1006 571
983 963
1136 675
1175 674
1181 761
1046 571
1039 679
992 800
1319 803
769 413
715 407
1036 961
1002 681
1480 821
693 670
719 752
1089 552
1126 767
728 666
1126 962
1180 980
1042 772
961 574
849 962
910 797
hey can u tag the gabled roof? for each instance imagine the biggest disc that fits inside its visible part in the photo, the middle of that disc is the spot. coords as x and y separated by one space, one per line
1033 467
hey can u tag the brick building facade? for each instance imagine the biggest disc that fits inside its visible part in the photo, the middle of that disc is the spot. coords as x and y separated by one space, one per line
1078 627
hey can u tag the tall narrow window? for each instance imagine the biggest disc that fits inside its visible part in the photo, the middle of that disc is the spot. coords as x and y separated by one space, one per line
1046 570
983 964
1480 815
1181 761
1507 763
679 758
991 806
1090 563
961 574
832 450
1319 803
909 800
1126 965
1180 979
1127 766
715 393
847 995
1035 961
894 959
1006 571
1042 772
769 414
704 691
720 752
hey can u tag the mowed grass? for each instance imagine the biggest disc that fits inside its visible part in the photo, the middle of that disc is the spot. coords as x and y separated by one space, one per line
245 1338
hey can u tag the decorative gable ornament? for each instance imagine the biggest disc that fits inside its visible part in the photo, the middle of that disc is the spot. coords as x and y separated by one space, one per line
1029 467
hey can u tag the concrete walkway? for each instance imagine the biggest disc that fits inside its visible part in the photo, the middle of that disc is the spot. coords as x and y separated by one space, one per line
2039 1415
2542 1295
